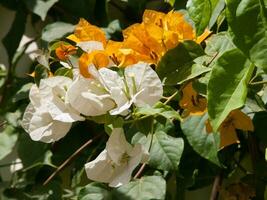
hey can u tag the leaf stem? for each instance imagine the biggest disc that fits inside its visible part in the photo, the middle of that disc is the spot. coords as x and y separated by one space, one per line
258 82
170 97
141 169
69 159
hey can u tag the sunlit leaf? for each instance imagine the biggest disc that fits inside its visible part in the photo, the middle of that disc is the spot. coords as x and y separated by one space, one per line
227 87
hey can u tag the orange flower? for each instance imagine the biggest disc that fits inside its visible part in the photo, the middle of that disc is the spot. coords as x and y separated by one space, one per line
64 50
191 102
235 120
98 58
158 33
85 31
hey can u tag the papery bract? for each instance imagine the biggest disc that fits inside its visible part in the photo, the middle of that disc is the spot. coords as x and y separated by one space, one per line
116 163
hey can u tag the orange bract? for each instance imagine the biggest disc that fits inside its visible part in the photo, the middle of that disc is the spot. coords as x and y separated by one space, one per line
98 58
85 31
235 120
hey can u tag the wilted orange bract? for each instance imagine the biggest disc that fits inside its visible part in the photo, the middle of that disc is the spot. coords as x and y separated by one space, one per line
235 120
64 50
191 102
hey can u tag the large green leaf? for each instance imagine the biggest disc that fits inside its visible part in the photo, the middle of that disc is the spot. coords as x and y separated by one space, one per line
205 144
56 30
145 188
177 62
12 39
40 7
200 12
217 44
165 152
94 191
227 87
7 141
248 24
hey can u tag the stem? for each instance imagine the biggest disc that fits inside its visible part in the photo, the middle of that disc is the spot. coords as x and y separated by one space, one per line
216 187
69 159
258 82
170 97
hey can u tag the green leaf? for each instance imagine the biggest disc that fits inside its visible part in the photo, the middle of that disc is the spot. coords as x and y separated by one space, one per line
217 44
248 24
8 140
176 65
145 188
40 7
94 191
41 72
12 40
56 30
205 144
33 152
200 12
165 152
159 109
63 71
22 93
217 7
227 87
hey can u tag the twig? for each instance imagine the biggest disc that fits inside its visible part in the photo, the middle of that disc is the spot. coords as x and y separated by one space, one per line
216 187
170 97
69 159
140 171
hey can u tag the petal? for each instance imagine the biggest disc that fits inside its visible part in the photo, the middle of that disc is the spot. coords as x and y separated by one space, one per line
117 145
228 136
100 169
90 46
142 77
88 97
87 32
44 128
34 96
122 174
242 121
27 116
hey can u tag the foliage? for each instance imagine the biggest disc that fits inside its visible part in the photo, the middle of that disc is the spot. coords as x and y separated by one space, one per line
202 117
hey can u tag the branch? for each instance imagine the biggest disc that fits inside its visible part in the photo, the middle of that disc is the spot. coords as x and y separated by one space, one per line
69 159
216 187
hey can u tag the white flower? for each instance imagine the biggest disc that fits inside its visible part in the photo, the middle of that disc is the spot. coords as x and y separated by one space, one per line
116 163
89 97
40 125
49 116
140 86
52 92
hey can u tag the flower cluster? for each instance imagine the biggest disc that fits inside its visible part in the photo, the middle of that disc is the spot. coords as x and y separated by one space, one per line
113 78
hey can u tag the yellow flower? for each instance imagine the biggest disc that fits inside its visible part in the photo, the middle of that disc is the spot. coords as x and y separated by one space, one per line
64 50
191 102
85 31
235 120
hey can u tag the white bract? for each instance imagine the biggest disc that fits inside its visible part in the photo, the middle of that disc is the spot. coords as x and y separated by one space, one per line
116 163
49 116
140 86
89 97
